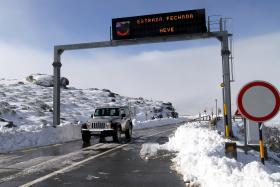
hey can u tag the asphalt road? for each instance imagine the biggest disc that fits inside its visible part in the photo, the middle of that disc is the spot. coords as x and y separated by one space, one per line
98 164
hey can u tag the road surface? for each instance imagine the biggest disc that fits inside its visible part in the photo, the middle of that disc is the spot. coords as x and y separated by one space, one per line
98 164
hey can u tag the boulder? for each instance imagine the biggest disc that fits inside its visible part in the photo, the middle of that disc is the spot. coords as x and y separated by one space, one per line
6 123
46 80
64 82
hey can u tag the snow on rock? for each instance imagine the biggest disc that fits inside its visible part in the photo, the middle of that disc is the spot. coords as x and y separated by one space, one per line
28 105
46 80
41 79
200 158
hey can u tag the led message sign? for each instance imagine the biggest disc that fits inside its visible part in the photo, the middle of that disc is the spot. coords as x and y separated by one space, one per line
175 23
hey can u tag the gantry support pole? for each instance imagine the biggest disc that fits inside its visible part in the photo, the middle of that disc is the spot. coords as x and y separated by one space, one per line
56 86
226 83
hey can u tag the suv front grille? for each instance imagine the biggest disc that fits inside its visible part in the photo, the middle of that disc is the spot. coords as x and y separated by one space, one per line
98 125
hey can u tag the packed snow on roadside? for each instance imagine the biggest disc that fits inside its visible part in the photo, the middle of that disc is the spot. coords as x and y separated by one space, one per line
28 105
200 158
149 150
156 122
33 135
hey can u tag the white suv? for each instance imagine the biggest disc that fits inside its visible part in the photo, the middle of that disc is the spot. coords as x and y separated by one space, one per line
108 121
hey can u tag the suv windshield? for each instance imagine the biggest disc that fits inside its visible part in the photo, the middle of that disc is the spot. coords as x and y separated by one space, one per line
107 112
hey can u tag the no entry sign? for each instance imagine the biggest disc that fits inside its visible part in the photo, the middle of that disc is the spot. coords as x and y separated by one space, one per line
258 101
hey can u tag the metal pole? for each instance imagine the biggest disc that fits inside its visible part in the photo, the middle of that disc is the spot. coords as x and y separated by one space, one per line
110 33
56 87
245 134
225 120
261 143
209 29
216 102
221 24
226 83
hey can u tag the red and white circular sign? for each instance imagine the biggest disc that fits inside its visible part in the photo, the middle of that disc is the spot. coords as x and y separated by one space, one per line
258 101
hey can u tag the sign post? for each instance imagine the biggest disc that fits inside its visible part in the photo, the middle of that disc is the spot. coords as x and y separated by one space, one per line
245 127
261 142
259 101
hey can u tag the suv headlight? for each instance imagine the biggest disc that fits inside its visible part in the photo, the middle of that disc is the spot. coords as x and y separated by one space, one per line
108 125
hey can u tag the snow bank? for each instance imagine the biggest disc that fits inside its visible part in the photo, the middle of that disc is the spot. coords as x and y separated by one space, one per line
200 159
156 122
33 135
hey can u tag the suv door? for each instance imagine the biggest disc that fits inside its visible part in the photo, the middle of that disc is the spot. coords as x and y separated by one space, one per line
123 113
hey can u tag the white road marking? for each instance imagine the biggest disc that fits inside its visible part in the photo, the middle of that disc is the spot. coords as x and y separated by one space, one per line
81 162
69 167
41 165
31 162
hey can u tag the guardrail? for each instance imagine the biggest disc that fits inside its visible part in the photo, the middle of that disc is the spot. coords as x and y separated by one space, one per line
272 137
202 118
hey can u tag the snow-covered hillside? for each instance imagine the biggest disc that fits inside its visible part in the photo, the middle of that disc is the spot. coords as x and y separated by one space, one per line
28 105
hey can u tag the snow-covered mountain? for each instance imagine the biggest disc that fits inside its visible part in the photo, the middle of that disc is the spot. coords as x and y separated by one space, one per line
28 105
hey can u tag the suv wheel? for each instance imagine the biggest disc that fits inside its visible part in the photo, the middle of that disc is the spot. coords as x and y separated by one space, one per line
128 133
86 137
117 135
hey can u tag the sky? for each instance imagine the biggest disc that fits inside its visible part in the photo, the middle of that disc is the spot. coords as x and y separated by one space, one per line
186 73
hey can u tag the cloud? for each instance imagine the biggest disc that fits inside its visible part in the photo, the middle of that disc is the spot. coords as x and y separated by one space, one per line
19 61
189 78
257 59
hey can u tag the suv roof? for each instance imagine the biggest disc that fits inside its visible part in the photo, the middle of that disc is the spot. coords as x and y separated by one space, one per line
112 107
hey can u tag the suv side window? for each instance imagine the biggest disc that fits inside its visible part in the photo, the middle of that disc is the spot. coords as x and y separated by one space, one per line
127 111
